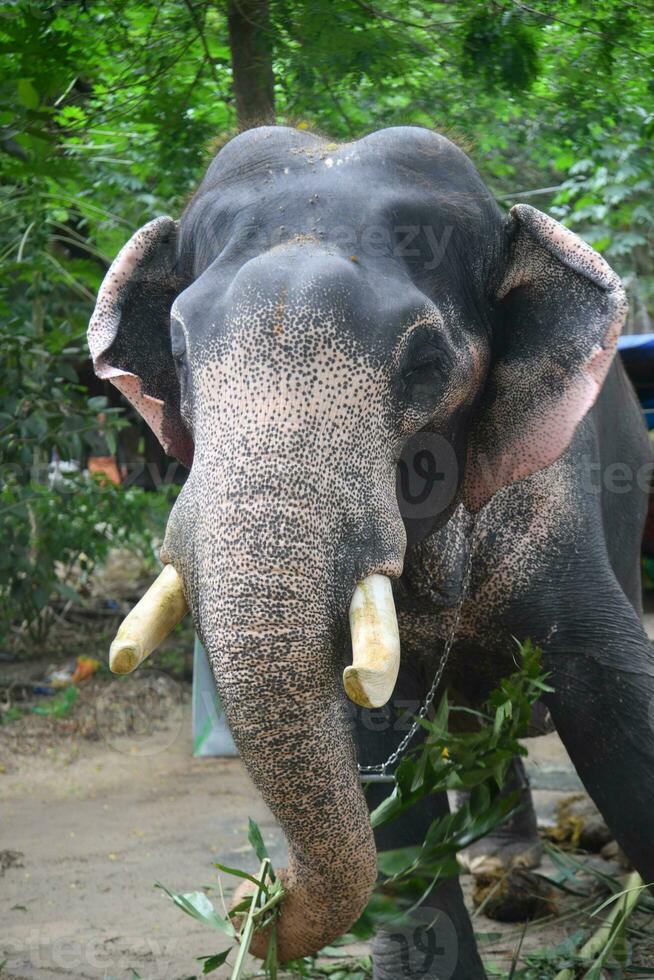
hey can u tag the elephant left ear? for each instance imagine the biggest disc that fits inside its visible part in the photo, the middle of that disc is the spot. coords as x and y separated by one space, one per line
129 332
561 309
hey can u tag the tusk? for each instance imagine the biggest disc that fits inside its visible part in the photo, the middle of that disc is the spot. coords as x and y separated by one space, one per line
150 621
370 681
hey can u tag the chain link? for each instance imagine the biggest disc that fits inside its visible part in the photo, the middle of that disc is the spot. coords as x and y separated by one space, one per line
379 772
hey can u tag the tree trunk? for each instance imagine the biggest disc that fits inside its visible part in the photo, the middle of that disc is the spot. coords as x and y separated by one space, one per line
250 38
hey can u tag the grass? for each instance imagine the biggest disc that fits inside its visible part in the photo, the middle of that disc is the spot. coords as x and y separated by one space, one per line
604 932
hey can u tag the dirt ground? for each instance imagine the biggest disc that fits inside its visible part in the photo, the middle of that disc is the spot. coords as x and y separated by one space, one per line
89 826
100 804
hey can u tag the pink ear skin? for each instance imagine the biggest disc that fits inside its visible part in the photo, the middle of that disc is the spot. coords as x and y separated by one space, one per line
565 308
144 264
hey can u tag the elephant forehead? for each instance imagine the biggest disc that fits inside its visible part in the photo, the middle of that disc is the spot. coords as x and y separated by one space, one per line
400 194
288 303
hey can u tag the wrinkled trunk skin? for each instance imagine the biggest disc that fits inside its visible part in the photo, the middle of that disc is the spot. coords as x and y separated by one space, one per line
282 699
269 589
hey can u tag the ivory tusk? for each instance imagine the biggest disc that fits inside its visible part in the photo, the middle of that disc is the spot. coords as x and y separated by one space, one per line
150 621
370 681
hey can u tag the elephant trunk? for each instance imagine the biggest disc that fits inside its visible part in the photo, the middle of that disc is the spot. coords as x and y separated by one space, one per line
271 650
264 600
270 557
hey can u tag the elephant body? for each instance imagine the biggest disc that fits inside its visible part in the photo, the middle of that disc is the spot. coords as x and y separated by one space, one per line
371 371
556 558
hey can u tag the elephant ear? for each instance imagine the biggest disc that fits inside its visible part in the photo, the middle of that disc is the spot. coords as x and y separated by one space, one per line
561 311
129 332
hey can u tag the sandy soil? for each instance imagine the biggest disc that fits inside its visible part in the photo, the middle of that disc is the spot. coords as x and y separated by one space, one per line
86 831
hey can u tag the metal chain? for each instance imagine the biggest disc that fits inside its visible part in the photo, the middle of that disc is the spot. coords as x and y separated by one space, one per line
379 773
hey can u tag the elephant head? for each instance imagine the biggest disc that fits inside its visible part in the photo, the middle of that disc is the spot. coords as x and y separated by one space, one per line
317 310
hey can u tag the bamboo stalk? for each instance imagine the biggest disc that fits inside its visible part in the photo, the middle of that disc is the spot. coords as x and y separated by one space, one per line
601 942
248 928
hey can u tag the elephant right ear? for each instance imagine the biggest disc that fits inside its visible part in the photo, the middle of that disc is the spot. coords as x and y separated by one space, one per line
129 332
561 309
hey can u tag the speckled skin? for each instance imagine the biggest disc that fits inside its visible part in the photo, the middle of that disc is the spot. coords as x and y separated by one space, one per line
314 360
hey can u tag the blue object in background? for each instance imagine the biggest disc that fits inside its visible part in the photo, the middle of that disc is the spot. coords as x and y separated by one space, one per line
211 736
637 353
647 405
636 345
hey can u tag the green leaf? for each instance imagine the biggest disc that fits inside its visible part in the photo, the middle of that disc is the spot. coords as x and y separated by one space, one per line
241 907
97 403
271 962
211 963
395 862
256 840
111 441
27 94
240 874
199 907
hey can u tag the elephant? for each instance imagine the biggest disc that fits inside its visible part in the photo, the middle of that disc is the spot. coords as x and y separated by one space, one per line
371 371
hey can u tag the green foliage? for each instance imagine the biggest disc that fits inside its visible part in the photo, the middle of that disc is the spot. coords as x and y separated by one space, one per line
58 536
607 199
499 47
469 760
258 911
106 110
475 760
608 933
61 704
58 706
88 150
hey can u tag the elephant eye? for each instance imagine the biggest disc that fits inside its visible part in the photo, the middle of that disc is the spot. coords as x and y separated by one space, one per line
424 372
178 345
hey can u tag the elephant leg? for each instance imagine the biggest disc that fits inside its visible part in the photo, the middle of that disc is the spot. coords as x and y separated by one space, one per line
603 709
438 943
516 842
